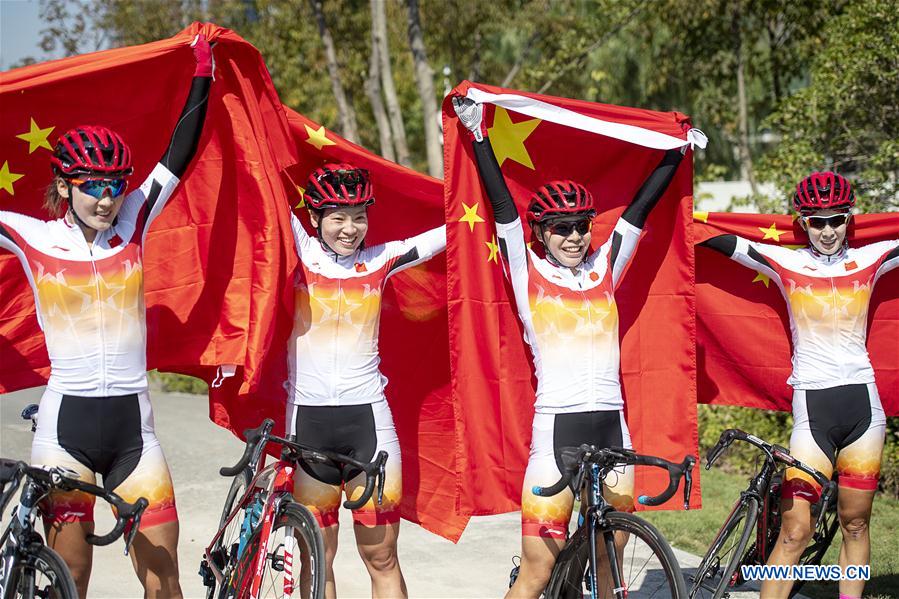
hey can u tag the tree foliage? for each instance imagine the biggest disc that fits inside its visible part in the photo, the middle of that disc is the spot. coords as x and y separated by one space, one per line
819 76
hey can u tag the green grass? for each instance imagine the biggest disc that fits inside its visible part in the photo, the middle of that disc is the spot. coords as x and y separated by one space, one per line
693 531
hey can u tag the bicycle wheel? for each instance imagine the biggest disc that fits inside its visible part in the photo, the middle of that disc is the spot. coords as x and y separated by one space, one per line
224 553
717 572
294 557
40 573
647 565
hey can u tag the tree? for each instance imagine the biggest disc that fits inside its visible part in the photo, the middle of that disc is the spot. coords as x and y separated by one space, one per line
847 119
394 112
424 78
345 110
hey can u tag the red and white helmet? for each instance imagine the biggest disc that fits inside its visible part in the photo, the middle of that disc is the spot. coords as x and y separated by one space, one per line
91 150
560 198
821 191
336 185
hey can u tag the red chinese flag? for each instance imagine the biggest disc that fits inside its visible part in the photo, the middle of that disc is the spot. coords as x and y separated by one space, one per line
611 150
742 325
413 333
215 265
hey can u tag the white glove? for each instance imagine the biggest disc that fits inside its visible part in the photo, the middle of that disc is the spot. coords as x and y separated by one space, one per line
471 114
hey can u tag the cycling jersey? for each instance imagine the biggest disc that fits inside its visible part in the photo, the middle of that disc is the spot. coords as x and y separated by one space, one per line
570 319
548 516
360 431
840 428
333 351
827 300
112 436
90 298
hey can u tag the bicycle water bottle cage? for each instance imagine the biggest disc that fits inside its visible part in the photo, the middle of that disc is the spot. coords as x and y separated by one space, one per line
253 514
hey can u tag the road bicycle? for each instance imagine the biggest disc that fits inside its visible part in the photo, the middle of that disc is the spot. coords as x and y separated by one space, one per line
268 545
756 515
28 568
645 566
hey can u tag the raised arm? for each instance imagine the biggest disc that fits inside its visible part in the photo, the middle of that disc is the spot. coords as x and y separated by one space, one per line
185 138
653 188
508 223
415 250
745 252
626 235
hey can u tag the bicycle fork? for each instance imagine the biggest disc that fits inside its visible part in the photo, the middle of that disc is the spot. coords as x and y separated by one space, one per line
595 515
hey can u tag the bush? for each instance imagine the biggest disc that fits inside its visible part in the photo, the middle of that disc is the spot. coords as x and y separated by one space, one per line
775 427
170 382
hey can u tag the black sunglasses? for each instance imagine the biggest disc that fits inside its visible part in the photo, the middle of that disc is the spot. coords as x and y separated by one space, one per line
566 228
820 222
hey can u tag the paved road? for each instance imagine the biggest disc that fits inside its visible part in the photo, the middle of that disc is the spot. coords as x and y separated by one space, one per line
478 566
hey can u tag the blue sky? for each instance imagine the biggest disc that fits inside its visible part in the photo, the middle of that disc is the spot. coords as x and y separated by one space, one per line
20 26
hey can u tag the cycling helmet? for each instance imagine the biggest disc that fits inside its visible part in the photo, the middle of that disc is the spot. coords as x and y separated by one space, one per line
336 185
560 198
91 150
820 191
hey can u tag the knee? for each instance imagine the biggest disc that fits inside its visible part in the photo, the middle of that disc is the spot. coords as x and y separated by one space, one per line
855 527
795 534
379 559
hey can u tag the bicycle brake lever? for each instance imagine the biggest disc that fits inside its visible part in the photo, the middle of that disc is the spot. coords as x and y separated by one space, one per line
382 472
688 485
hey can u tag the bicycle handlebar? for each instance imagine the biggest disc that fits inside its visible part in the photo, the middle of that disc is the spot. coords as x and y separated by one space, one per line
257 438
573 458
253 438
127 514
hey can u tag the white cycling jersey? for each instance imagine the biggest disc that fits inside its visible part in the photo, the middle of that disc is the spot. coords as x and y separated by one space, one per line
333 351
827 299
90 298
571 319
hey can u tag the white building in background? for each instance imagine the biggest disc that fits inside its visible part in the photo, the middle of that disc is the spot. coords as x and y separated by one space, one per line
720 196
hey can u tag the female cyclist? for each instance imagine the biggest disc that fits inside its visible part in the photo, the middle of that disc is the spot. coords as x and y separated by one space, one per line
336 391
838 422
86 273
565 299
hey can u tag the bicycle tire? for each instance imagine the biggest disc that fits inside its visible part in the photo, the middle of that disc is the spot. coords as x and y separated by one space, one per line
663 579
46 561
739 526
296 517
229 537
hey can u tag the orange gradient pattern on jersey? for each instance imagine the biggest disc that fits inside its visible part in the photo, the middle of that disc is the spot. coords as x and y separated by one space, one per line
818 303
73 294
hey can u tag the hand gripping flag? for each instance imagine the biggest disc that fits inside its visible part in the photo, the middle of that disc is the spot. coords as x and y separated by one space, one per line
611 150
742 325
215 267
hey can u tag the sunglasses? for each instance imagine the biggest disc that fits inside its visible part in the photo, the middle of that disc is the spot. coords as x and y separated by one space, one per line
821 222
97 187
566 228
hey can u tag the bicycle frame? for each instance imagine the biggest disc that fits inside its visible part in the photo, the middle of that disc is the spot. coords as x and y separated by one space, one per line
275 481
595 512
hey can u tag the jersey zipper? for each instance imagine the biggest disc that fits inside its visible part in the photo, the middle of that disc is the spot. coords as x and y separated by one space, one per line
102 327
336 372
836 325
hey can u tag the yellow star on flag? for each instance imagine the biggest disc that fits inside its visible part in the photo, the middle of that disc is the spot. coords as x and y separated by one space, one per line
507 138
36 137
471 215
494 250
763 278
771 232
7 178
302 192
318 137
701 216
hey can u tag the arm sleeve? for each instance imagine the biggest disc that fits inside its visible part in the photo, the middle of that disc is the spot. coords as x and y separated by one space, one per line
620 246
186 136
415 250
300 237
745 252
504 211
890 260
652 189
